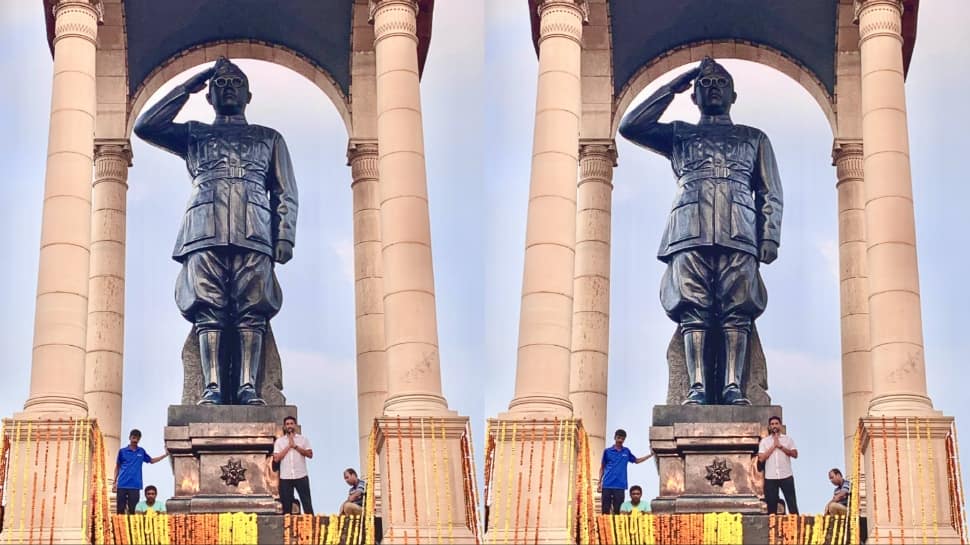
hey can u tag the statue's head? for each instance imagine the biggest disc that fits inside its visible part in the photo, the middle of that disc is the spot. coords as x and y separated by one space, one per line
713 88
228 88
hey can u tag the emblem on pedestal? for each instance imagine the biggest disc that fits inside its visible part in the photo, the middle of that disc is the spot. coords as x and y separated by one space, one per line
718 472
233 472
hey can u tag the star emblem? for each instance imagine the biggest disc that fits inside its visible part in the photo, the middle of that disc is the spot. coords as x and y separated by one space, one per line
718 472
233 473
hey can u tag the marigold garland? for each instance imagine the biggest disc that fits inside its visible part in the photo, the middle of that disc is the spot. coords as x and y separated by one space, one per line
508 482
899 481
447 479
909 470
933 504
958 484
542 473
920 478
414 476
400 462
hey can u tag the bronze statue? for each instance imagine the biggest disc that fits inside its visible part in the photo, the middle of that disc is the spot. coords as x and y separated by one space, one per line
726 217
241 217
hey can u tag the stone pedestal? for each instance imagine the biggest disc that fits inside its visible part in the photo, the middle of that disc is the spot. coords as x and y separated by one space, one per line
707 457
428 495
222 458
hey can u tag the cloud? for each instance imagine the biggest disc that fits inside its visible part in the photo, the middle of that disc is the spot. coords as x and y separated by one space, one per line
829 249
343 248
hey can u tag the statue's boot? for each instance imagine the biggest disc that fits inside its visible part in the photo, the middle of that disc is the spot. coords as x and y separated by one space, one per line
209 355
735 358
694 358
250 358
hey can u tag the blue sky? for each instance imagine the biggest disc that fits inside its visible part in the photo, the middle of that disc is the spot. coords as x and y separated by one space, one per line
478 95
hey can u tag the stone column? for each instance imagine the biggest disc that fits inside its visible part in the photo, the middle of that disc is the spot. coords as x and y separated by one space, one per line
895 325
591 293
541 408
56 412
545 321
104 365
61 315
896 328
410 322
415 405
368 293
854 289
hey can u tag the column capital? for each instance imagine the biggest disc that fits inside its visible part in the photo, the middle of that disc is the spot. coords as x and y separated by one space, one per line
110 148
362 158
357 147
882 18
847 159
562 19
399 18
597 158
604 148
77 19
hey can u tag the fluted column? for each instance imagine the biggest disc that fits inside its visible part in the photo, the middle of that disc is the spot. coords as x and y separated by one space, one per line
60 321
545 321
362 158
895 321
104 365
591 292
854 289
410 322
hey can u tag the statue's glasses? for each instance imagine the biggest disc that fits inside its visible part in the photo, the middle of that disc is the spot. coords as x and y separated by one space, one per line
222 81
708 81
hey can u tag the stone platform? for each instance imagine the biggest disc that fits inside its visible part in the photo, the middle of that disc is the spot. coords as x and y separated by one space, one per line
222 457
707 457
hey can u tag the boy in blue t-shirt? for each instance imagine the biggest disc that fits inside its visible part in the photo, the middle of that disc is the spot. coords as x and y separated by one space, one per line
613 481
128 473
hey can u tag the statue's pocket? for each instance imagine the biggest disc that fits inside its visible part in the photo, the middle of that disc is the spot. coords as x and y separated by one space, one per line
258 218
685 219
743 217
200 220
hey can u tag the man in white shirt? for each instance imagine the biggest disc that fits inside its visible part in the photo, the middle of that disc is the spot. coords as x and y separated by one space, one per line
776 452
291 452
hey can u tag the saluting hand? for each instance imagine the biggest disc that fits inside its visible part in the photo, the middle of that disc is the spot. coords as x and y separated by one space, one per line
197 82
682 82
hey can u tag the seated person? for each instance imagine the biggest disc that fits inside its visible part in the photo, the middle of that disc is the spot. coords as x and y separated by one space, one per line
354 504
151 503
634 505
839 504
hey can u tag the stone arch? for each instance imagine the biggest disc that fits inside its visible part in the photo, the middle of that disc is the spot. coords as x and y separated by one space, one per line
724 49
237 49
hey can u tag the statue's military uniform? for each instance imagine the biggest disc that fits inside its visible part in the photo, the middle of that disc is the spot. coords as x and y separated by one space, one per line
243 200
727 197
728 202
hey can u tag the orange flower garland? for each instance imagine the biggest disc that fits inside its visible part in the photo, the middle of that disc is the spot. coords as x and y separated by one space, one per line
542 473
899 481
933 504
414 476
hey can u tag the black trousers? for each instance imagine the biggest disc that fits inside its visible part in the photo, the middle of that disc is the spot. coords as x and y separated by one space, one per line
302 487
787 488
714 287
127 498
221 287
612 499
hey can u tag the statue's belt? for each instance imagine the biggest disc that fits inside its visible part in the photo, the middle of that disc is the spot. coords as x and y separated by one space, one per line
716 175
231 174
